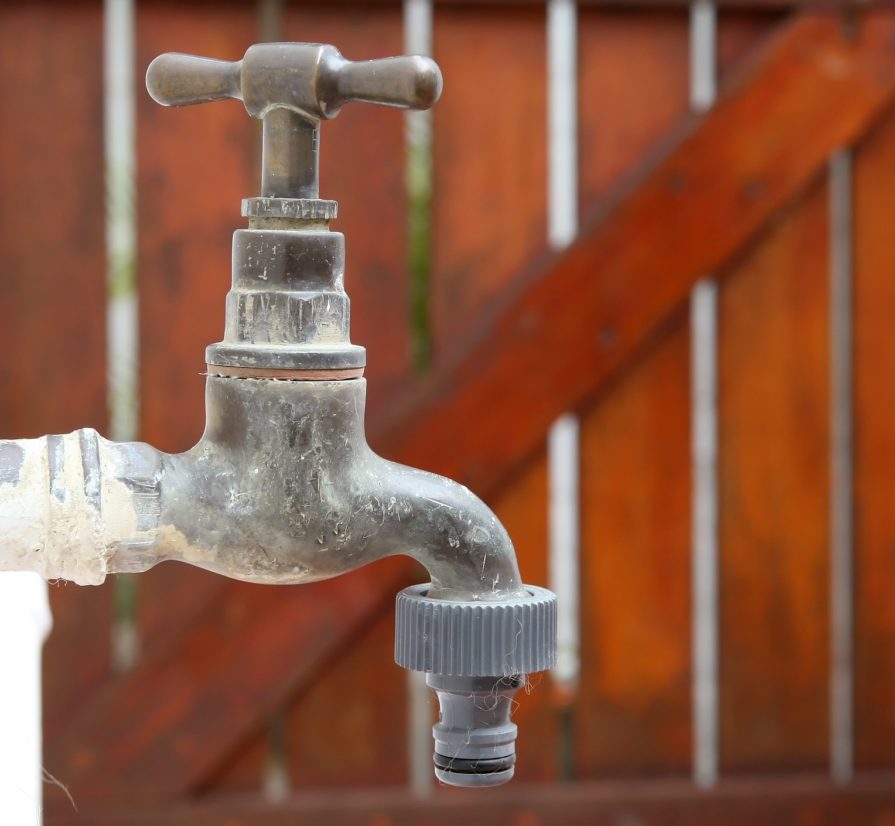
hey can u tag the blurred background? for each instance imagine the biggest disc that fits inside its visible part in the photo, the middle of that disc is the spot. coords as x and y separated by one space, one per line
668 228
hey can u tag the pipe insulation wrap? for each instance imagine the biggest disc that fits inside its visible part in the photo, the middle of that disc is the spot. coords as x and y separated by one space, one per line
59 510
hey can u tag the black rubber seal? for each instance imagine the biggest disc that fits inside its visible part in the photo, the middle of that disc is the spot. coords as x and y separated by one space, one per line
460 765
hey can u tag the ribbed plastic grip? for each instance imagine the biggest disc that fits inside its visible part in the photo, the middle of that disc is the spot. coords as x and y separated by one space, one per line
475 639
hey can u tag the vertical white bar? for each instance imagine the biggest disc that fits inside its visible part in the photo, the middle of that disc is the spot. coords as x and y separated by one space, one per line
841 469
564 516
120 220
418 27
121 291
703 54
704 446
418 40
704 428
24 624
563 439
418 180
562 120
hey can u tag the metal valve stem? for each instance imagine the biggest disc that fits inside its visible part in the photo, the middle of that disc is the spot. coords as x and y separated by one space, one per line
290 156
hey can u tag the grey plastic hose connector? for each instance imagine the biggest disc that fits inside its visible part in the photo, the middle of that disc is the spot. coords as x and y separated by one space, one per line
476 655
475 638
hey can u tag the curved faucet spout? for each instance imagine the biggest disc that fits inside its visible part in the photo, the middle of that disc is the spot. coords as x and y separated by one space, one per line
448 529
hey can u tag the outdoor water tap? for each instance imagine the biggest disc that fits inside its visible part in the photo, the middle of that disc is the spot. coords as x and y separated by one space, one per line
282 487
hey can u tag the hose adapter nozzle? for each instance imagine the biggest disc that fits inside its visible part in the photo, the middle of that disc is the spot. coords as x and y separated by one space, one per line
475 739
475 655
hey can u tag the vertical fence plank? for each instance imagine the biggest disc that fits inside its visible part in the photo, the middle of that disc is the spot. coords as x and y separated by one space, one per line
194 164
774 521
350 727
634 705
633 709
633 85
874 308
740 32
490 160
52 283
53 287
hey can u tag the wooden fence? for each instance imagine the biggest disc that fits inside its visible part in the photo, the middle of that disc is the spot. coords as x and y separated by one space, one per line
249 704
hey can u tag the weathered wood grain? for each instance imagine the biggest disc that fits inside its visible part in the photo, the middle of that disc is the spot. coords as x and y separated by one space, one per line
632 710
773 399
632 714
490 162
804 800
633 86
874 398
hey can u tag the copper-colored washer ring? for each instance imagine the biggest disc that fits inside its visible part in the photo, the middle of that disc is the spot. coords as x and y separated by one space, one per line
288 375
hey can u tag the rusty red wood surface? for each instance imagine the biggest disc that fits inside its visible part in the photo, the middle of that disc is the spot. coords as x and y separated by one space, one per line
189 708
874 311
743 802
617 128
740 31
195 164
490 162
773 399
632 714
53 291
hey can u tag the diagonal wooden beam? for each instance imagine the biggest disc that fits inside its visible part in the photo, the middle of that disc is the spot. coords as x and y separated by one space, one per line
575 323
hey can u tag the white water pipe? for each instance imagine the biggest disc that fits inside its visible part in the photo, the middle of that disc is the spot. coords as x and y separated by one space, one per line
24 625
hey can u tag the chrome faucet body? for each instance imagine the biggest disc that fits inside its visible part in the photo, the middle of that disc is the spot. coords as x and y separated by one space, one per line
282 487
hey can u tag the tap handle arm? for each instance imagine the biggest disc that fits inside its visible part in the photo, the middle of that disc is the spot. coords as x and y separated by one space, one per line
311 79
409 82
175 79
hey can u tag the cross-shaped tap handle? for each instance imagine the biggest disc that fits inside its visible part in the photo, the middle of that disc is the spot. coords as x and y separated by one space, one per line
309 78
292 87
